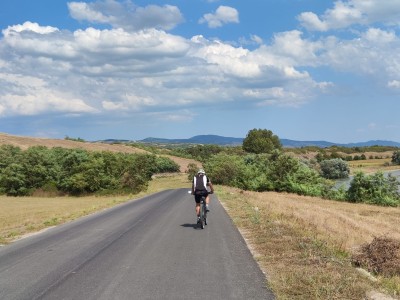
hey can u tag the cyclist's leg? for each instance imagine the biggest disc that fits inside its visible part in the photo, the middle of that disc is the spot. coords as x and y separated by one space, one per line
208 201
198 209
197 198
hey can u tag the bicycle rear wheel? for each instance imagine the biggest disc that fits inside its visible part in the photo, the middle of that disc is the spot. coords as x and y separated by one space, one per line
205 213
202 212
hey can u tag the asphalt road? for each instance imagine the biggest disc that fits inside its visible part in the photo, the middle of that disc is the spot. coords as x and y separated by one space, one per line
145 249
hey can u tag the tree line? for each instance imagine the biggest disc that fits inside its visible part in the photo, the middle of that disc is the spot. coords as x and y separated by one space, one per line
76 171
262 165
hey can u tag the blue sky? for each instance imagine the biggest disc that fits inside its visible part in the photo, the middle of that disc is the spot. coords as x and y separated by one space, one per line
305 69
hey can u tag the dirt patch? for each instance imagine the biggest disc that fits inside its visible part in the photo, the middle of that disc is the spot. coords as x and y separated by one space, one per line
381 256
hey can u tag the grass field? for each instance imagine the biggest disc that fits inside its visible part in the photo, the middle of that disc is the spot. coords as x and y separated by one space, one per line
303 244
24 215
372 165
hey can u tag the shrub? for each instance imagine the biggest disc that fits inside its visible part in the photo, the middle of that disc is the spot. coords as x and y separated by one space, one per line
225 169
192 169
13 180
396 157
76 171
166 165
334 168
374 189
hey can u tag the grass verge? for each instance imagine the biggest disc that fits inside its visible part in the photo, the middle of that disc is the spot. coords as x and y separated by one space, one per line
20 216
303 258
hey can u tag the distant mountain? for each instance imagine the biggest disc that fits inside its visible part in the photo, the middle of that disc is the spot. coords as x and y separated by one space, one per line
373 143
198 139
324 144
232 141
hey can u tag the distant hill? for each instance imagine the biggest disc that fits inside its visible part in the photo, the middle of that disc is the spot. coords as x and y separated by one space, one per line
232 141
198 139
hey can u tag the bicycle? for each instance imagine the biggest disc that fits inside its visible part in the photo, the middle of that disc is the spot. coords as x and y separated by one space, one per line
203 212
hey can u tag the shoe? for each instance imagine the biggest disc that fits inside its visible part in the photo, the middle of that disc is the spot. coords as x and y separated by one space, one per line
198 220
207 209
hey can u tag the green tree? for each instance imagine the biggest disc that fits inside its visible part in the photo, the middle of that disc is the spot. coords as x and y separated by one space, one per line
374 189
225 169
13 181
396 157
334 168
261 141
38 166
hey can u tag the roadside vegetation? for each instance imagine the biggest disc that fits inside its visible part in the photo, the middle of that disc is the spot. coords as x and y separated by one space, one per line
263 166
61 171
310 246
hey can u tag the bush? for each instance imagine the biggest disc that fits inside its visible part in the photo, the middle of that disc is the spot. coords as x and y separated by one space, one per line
225 169
192 169
334 169
166 165
374 189
13 180
266 172
76 171
396 158
381 256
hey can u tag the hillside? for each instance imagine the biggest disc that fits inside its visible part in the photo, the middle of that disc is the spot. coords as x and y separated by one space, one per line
24 143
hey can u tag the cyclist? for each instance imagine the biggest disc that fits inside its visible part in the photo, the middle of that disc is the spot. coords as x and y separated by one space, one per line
199 189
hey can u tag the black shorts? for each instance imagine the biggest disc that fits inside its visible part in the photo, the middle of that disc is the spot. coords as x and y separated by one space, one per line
199 194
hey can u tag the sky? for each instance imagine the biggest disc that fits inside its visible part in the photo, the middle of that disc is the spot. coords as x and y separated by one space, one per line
305 69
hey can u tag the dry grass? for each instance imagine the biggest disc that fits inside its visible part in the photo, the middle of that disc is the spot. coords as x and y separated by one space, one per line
372 165
305 244
24 215
26 142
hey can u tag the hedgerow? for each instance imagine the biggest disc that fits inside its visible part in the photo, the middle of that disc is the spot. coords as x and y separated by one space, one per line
76 171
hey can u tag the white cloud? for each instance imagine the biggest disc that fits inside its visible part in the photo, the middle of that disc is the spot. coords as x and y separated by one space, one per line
28 27
32 96
180 116
119 70
113 70
223 15
85 12
126 15
371 54
347 13
394 84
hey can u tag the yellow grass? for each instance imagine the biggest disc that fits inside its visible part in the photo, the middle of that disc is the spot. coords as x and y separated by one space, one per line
24 215
372 165
304 244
